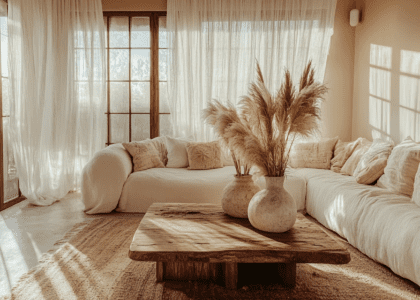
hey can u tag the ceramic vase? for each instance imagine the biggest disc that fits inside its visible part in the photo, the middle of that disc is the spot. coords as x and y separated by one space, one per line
237 194
272 209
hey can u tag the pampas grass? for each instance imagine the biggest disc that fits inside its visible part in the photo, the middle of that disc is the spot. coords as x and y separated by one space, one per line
262 133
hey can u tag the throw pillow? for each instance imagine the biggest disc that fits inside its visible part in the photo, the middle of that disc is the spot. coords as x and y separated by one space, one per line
177 152
145 155
351 163
160 144
373 170
378 148
401 169
416 192
204 156
342 152
315 155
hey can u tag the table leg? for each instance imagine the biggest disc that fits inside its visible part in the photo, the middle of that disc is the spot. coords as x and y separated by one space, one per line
231 275
287 273
160 270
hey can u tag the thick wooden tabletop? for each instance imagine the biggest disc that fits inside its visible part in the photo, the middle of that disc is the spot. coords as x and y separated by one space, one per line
204 233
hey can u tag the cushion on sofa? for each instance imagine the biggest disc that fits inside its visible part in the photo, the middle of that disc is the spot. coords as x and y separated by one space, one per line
204 156
372 171
351 163
342 152
315 155
401 169
145 155
379 148
416 191
177 152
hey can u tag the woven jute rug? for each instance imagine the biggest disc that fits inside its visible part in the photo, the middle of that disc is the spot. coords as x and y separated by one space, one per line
91 262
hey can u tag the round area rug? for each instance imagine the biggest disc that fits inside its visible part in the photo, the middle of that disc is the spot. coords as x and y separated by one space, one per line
91 262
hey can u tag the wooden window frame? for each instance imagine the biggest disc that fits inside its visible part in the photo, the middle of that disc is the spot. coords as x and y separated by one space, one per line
4 205
154 71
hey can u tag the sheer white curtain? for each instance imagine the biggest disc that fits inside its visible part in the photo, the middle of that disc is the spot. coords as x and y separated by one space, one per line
214 45
57 87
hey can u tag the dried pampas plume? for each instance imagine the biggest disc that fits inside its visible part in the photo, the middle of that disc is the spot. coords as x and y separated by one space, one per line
262 133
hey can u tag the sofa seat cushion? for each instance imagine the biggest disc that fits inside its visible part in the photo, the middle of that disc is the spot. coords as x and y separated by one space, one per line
382 224
189 186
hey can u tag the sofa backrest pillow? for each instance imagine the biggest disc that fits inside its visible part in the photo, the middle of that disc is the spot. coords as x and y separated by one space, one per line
351 163
342 152
145 155
379 148
160 144
177 152
372 171
316 155
204 156
401 169
416 191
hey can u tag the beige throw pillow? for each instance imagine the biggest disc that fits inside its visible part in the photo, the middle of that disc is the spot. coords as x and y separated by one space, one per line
342 152
416 192
379 148
145 155
401 169
373 171
177 152
315 155
351 163
204 156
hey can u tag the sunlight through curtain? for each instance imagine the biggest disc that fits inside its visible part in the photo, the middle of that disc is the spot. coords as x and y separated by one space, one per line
214 45
58 91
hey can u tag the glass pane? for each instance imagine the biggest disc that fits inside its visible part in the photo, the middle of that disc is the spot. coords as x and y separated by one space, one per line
4 47
5 96
140 64
118 60
9 166
118 32
163 97
165 126
119 129
140 32
106 31
118 95
11 189
163 64
140 127
140 97
163 37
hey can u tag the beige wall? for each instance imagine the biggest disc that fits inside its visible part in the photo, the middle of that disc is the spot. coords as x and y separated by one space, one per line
136 5
386 97
337 109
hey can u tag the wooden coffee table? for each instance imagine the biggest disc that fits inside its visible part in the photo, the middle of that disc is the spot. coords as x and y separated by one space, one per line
192 241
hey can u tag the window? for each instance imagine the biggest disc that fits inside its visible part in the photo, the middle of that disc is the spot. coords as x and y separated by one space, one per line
11 193
137 106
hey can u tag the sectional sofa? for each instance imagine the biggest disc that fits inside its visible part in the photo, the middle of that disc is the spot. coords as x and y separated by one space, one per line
382 224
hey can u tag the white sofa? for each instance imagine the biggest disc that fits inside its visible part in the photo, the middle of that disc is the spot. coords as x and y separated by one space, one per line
382 224
108 184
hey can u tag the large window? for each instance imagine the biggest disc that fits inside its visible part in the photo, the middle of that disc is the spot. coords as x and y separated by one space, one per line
137 106
10 191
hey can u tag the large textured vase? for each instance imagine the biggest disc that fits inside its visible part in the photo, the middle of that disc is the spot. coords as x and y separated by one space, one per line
237 194
272 209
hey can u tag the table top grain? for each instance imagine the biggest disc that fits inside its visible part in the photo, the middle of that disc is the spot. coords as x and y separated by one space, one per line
203 232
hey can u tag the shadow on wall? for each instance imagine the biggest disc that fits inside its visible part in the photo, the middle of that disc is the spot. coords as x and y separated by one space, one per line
400 112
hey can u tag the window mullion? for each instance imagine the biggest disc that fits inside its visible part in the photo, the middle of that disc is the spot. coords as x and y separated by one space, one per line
154 74
108 84
129 79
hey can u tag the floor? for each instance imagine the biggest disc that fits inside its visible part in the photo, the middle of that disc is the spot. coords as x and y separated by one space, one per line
28 231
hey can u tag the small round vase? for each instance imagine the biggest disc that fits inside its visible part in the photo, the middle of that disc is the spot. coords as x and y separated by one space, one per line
237 194
272 209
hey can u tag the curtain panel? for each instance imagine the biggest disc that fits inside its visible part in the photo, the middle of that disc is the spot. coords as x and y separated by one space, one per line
214 46
58 92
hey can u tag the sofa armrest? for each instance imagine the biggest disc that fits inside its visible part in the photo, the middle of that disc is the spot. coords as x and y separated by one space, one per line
103 178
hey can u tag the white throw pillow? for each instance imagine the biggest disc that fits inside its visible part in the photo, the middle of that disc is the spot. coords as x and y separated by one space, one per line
352 162
379 148
400 171
177 152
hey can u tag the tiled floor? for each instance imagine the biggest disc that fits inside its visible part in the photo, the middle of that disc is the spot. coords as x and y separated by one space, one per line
28 231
